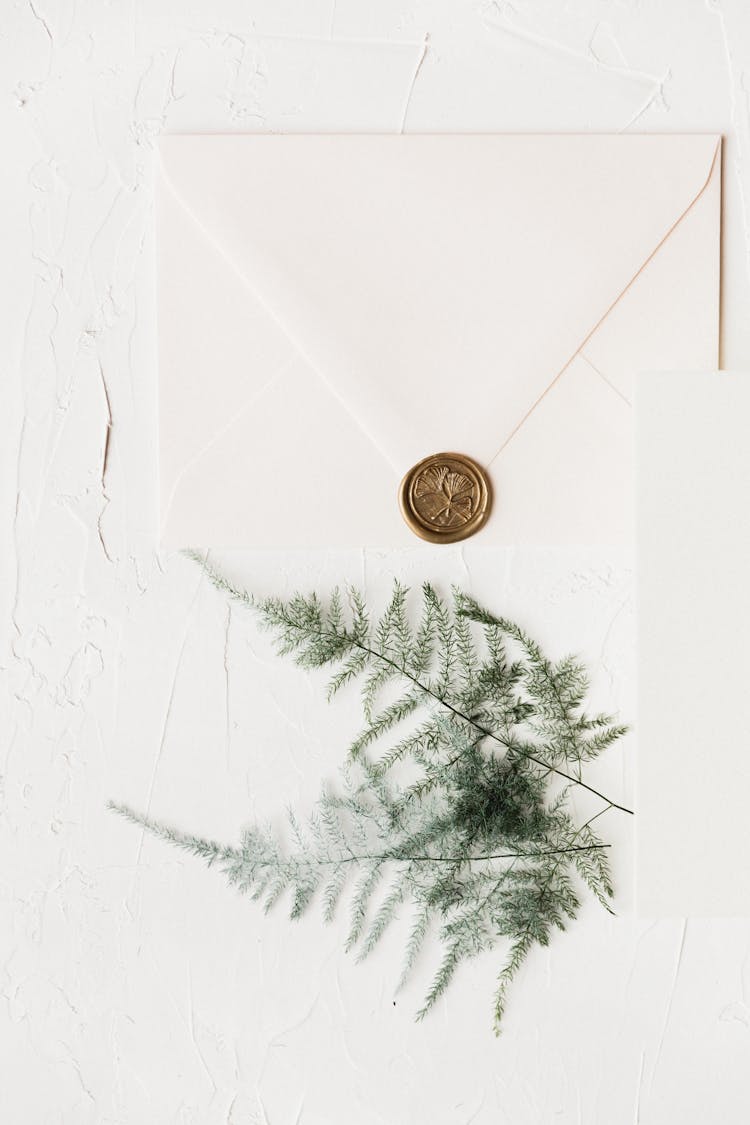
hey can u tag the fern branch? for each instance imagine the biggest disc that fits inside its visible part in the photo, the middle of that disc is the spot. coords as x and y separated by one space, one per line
476 844
376 729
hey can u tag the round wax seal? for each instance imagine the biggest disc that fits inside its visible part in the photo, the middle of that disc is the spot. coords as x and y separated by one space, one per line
445 497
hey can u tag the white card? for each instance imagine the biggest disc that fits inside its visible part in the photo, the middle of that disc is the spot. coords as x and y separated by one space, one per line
693 724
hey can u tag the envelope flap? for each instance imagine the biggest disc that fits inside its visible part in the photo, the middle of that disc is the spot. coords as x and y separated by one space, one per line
438 283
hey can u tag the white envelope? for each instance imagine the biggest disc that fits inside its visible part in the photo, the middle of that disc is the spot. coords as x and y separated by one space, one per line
693 838
332 309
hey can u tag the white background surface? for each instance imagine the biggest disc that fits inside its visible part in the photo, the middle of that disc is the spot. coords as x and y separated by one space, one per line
135 987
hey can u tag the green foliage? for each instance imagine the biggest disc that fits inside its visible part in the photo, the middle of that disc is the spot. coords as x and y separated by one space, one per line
453 799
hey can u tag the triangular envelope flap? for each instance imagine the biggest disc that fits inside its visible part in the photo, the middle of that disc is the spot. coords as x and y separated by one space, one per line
438 283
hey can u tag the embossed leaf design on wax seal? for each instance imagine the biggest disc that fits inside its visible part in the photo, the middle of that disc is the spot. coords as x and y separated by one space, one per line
444 496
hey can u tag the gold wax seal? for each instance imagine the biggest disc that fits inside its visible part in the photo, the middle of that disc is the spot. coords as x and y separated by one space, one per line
445 497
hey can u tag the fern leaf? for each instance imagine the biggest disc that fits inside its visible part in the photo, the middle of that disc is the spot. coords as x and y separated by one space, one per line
463 812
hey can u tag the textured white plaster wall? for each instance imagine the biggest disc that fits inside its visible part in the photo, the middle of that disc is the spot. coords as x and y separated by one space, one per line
135 987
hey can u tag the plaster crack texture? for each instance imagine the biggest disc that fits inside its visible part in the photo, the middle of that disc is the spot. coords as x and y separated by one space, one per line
135 988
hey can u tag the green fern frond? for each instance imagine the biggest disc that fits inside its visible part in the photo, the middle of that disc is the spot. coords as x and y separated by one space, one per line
480 843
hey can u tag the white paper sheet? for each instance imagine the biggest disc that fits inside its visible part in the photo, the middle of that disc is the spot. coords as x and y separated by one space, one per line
693 575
